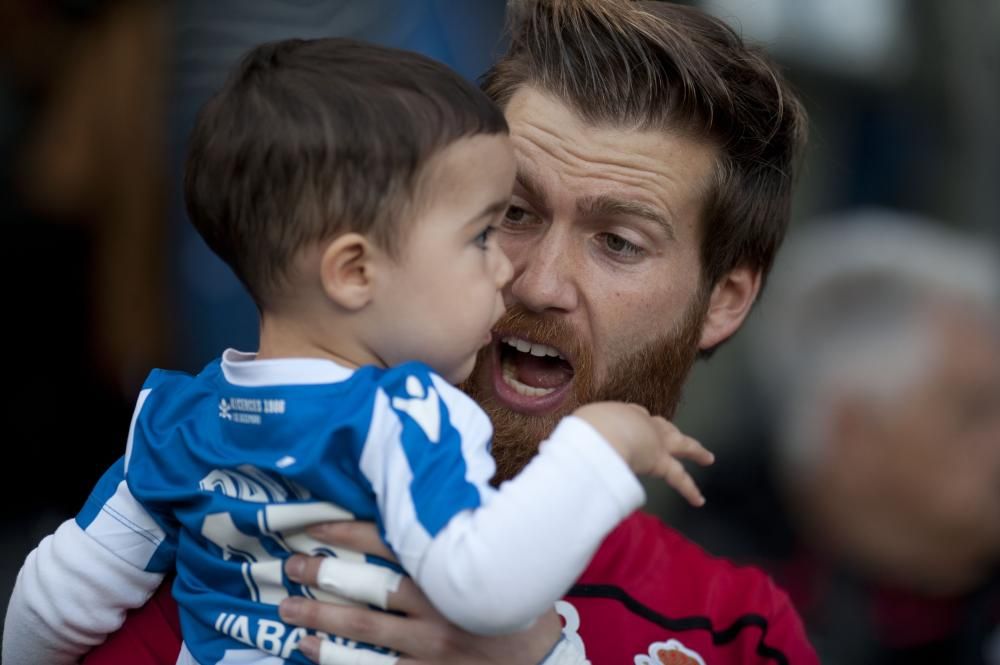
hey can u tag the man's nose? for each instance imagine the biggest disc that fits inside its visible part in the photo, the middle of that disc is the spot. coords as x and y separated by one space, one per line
545 275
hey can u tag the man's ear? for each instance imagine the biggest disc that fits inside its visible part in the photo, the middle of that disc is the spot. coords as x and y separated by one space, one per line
346 270
728 306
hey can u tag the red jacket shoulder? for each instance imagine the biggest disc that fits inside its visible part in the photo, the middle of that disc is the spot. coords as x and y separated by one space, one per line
652 573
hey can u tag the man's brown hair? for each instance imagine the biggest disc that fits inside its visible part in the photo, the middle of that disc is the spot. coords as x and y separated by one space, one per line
657 65
312 138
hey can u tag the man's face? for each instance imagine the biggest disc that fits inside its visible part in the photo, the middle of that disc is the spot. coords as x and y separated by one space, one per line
606 300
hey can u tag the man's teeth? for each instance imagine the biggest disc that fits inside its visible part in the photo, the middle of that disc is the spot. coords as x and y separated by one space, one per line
523 388
525 346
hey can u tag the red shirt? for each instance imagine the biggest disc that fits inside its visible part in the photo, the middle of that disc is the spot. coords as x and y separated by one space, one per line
648 593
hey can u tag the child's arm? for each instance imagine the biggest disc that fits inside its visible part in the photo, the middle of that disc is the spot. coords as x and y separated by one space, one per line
498 559
650 445
70 594
496 568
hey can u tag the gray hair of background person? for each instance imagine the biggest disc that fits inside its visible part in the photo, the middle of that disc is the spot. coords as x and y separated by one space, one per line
850 308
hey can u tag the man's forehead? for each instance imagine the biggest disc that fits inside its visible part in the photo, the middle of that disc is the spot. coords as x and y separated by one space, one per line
558 150
535 111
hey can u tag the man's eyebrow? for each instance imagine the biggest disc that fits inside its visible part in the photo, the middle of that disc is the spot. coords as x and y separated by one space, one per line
527 181
491 210
608 206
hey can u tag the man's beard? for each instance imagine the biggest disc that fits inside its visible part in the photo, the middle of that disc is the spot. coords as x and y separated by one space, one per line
652 376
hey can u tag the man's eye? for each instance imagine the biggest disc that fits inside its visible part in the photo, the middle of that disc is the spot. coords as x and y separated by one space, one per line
515 215
483 238
620 246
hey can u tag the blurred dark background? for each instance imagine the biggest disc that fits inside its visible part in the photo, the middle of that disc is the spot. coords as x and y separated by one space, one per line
106 280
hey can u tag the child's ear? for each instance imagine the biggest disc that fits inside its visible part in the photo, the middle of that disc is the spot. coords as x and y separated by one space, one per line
346 268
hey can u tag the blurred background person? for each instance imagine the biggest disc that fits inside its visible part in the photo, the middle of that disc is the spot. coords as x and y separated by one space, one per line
874 497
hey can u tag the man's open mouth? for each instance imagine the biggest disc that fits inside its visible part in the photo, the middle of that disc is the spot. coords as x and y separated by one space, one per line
530 376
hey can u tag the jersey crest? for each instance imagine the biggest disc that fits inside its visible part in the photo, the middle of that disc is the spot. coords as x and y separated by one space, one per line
671 652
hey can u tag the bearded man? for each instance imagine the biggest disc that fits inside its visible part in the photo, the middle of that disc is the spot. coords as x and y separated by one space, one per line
655 156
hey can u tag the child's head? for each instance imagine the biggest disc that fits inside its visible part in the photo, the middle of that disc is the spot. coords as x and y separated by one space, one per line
347 168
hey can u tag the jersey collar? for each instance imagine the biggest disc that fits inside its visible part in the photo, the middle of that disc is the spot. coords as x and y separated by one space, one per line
243 369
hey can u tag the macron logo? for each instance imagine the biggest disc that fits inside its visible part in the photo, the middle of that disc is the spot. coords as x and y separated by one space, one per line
423 407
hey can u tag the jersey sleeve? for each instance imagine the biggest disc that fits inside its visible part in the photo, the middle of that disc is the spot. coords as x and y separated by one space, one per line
70 594
425 456
493 560
115 519
504 564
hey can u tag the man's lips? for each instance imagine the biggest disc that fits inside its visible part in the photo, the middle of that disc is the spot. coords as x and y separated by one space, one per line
519 396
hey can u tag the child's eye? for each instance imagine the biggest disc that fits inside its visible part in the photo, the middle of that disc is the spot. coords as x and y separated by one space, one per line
483 238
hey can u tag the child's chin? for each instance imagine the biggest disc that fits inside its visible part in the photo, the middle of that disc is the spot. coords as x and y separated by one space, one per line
459 375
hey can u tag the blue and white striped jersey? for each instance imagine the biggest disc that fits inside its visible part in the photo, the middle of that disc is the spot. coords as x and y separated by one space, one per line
224 470
232 470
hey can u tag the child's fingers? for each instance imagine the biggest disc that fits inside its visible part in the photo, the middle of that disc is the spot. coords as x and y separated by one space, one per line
691 449
680 445
671 470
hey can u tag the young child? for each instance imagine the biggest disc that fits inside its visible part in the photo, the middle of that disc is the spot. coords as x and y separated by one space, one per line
353 189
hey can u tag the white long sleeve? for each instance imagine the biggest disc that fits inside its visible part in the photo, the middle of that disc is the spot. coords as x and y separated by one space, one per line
495 569
71 593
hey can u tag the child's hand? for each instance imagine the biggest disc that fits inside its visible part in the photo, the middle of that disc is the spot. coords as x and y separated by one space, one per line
650 445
